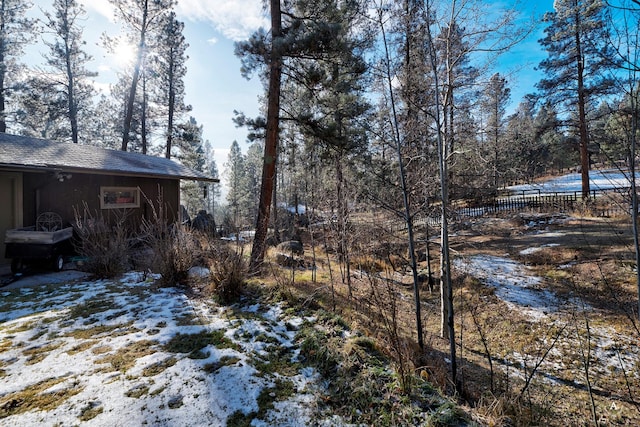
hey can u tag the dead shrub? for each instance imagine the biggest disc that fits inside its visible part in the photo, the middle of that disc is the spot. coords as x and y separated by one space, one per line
103 244
368 264
174 246
174 252
228 275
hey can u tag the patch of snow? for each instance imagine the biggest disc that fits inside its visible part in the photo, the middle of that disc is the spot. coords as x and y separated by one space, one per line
180 394
548 234
598 180
535 249
512 282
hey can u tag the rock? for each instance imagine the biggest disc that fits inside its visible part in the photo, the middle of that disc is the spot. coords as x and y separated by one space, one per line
291 246
199 272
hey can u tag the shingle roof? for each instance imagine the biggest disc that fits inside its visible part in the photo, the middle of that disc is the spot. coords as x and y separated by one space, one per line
33 153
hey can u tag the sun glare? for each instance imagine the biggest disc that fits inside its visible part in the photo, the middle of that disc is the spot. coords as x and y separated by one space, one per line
124 54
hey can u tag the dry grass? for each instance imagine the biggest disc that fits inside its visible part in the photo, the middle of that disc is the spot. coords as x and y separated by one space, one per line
126 357
37 396
37 354
514 370
102 330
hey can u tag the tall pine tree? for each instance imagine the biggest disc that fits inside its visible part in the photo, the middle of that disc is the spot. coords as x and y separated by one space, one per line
235 174
170 65
142 21
576 41
67 62
16 31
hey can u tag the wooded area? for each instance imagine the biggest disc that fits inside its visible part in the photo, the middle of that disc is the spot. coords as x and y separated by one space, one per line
369 107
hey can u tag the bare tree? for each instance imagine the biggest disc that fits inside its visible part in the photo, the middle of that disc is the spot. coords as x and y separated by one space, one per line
407 216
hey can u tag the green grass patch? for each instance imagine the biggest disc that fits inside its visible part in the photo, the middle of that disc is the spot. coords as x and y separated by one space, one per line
212 368
23 327
267 338
38 334
240 419
277 361
91 307
195 343
282 390
188 319
157 391
116 314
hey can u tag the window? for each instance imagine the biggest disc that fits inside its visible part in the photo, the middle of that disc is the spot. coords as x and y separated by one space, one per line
119 197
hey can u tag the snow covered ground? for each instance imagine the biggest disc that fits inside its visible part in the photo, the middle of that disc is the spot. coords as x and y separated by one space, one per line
513 283
116 353
599 180
612 353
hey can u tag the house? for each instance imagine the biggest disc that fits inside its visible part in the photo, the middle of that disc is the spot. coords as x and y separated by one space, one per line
38 176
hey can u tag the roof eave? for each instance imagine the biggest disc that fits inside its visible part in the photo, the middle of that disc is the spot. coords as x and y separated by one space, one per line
46 168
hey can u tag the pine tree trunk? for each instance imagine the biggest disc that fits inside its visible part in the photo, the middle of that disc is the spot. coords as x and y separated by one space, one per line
143 120
128 112
271 141
71 102
172 106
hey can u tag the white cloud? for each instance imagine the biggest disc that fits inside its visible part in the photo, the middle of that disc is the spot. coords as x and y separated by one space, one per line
235 19
102 7
212 40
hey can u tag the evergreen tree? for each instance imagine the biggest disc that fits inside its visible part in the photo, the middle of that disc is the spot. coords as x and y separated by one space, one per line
258 51
496 96
524 157
67 62
171 70
576 41
561 150
40 109
304 40
104 127
16 31
252 168
213 189
142 20
191 153
235 176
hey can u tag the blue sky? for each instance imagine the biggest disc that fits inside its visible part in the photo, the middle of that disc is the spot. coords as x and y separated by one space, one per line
213 83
